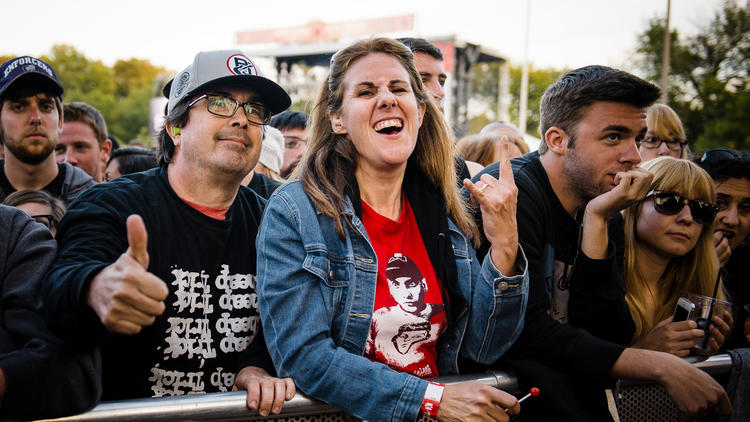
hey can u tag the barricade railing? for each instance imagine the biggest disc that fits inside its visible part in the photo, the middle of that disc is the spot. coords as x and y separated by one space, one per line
636 401
231 406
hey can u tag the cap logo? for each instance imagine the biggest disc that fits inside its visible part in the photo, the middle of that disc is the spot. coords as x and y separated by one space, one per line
238 64
31 64
181 83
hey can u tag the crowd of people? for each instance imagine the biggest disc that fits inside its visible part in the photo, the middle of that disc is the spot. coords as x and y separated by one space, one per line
358 253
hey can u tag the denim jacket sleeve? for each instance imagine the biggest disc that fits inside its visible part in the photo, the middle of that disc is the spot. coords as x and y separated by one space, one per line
298 314
497 302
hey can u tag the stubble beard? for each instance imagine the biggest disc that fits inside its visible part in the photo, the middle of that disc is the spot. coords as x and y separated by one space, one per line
583 180
229 161
26 155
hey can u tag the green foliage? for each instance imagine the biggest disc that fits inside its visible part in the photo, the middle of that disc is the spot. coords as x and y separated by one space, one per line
539 80
484 90
4 59
121 92
303 105
709 76
485 86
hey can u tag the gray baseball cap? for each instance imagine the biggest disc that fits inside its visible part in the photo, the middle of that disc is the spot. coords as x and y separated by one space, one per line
211 68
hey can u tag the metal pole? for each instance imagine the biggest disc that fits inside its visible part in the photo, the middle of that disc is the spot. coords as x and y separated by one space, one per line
232 406
503 91
665 58
523 103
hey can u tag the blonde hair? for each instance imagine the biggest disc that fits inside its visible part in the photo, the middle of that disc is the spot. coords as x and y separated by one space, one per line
510 130
664 123
480 148
328 165
271 174
693 272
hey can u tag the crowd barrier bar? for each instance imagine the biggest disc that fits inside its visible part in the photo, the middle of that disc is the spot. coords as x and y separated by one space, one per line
231 406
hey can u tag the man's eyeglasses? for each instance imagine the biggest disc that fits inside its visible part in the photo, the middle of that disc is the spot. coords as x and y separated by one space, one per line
222 106
293 142
48 220
652 142
671 203
723 154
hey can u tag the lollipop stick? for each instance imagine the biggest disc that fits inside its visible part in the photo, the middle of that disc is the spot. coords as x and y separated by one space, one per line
533 392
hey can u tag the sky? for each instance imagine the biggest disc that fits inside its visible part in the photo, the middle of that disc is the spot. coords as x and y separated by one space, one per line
564 33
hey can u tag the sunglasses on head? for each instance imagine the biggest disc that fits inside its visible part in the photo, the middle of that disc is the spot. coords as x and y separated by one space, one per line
671 203
723 154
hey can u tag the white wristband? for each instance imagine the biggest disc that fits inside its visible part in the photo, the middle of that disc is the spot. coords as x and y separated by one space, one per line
432 397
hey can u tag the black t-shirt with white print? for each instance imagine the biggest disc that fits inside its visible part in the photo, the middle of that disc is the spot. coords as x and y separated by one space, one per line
208 265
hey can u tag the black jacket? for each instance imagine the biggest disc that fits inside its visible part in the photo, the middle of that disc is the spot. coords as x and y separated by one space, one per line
550 238
44 378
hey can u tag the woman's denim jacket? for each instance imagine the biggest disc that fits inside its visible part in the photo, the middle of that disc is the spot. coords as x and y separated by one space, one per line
316 294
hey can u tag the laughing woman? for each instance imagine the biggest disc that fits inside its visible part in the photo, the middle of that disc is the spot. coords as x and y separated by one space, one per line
367 279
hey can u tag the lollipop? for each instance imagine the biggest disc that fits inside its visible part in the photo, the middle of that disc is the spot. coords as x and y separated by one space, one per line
533 392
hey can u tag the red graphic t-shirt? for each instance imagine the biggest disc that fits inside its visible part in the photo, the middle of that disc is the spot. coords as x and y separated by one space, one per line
409 313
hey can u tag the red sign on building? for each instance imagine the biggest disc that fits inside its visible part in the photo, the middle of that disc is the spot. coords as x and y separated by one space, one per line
321 31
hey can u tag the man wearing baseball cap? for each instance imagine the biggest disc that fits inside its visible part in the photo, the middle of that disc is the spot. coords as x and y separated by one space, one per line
158 268
31 121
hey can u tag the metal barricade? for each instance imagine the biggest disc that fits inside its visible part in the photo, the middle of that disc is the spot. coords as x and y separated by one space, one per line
231 406
636 401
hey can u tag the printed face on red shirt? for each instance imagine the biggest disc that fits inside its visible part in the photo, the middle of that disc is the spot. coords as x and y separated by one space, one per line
409 292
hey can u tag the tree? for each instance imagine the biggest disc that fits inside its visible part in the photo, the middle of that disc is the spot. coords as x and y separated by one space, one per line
539 80
709 76
485 86
121 92
136 82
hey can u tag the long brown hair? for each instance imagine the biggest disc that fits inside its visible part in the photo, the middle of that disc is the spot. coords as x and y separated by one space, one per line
694 272
328 165
479 148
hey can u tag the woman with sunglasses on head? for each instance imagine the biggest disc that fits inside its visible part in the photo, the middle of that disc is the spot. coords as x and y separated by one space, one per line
367 279
665 136
668 253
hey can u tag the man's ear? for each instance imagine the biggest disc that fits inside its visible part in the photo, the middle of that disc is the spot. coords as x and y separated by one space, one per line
337 123
557 140
60 124
174 133
106 150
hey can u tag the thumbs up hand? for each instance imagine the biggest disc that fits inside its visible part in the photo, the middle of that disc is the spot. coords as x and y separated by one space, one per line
124 295
137 240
